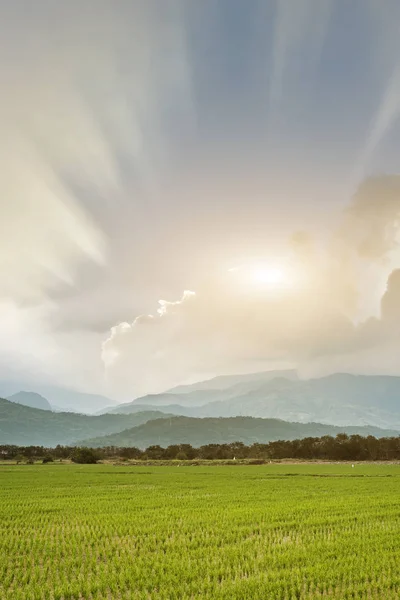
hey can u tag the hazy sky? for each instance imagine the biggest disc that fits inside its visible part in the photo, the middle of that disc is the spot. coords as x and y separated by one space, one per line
150 146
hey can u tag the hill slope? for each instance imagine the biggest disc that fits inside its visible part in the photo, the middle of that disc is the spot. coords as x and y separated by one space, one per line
22 425
30 399
197 432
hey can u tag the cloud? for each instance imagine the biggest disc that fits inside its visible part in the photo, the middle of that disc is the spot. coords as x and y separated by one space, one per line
197 337
83 147
391 300
134 163
371 224
221 328
229 325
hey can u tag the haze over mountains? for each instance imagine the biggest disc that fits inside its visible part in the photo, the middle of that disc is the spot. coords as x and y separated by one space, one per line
30 399
224 382
21 425
56 398
339 399
260 407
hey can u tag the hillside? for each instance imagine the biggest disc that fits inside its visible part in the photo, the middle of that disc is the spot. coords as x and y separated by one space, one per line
339 399
197 432
22 425
30 399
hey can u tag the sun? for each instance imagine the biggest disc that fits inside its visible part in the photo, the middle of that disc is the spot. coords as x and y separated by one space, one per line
270 276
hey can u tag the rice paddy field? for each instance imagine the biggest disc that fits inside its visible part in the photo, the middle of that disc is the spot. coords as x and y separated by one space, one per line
256 532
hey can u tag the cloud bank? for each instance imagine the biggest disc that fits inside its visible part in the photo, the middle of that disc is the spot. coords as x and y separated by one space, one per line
228 325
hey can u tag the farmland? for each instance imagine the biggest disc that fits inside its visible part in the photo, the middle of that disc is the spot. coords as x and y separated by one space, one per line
274 531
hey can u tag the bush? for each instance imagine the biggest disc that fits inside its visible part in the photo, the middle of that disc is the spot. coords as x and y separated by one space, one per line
47 459
84 456
181 456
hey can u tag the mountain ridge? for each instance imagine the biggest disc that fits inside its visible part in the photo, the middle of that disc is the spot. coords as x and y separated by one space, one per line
337 399
221 382
249 430
22 425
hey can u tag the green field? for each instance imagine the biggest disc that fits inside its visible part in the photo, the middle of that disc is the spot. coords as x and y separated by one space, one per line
256 532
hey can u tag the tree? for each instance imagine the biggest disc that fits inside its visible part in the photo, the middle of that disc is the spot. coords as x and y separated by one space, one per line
84 456
155 452
132 452
190 452
174 450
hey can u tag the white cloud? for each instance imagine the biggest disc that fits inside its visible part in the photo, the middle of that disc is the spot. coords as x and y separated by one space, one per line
227 326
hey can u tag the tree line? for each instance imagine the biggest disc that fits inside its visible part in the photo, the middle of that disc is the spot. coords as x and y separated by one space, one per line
341 447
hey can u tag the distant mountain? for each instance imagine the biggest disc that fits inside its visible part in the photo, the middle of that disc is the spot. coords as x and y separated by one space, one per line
30 399
132 408
223 382
339 399
80 402
22 425
60 397
191 399
198 432
218 389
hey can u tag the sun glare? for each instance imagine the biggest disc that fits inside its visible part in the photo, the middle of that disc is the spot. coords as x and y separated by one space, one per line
269 277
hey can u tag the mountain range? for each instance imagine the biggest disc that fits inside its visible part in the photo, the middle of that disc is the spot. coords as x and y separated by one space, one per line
339 399
22 425
25 426
277 403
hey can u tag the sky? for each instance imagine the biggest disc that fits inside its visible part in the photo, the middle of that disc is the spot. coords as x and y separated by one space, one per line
162 158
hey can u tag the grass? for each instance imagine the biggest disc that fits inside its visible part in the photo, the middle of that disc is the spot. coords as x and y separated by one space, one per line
274 531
